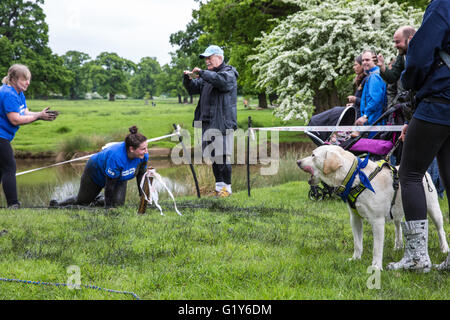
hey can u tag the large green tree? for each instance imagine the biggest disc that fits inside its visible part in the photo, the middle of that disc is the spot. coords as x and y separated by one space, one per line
304 57
235 25
144 82
170 79
24 39
111 73
76 62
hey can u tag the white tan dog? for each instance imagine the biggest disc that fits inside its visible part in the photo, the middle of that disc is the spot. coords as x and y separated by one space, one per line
331 164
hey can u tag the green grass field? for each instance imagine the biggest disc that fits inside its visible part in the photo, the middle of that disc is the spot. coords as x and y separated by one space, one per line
275 245
104 121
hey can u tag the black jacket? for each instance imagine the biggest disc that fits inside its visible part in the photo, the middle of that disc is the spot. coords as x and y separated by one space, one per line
217 107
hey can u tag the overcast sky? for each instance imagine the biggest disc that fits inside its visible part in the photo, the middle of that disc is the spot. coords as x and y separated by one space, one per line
133 28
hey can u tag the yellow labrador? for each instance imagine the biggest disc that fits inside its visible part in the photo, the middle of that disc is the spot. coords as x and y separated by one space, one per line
331 164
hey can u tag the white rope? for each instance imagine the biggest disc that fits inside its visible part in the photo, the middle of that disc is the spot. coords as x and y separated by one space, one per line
53 165
334 128
177 133
153 193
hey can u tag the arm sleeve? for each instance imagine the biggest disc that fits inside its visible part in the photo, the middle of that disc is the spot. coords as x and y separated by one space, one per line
426 43
224 81
140 174
193 86
393 75
11 103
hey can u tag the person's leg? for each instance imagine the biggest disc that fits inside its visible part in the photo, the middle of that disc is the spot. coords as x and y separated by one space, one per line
88 190
8 172
443 158
422 144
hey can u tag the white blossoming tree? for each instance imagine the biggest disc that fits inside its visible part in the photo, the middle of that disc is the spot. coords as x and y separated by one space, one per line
303 59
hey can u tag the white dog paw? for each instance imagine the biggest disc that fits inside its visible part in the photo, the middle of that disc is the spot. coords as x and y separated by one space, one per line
354 258
376 267
444 248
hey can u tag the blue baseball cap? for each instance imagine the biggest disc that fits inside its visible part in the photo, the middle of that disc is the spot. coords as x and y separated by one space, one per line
211 50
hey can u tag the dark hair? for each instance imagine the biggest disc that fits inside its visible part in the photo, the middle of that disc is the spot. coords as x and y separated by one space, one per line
358 59
134 139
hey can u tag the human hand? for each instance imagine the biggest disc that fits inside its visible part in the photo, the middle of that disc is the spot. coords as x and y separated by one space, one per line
351 99
361 121
380 63
403 134
48 115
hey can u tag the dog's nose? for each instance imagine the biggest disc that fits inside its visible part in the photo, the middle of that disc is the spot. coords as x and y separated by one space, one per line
299 163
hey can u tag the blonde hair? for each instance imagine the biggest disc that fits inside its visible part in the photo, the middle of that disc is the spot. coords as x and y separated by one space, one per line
16 72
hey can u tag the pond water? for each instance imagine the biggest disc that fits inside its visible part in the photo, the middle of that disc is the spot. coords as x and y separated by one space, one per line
38 188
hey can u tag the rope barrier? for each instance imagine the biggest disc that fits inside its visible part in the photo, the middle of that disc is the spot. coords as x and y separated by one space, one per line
334 128
177 133
39 283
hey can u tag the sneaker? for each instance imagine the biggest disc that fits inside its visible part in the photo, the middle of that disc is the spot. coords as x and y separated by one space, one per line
214 194
14 206
53 203
224 193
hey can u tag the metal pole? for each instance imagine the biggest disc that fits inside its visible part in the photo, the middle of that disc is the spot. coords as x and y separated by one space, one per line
248 156
185 153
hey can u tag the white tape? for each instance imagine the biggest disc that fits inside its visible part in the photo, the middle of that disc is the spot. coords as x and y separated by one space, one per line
177 133
153 196
334 129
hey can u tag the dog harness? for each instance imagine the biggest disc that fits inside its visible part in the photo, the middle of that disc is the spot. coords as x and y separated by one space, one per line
350 195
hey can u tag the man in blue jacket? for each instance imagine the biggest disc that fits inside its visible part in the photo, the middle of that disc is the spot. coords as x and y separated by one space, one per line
373 99
217 112
428 133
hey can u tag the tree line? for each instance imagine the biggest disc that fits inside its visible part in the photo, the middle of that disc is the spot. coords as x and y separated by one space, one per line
245 29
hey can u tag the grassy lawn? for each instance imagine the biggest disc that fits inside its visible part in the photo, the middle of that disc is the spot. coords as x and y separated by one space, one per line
104 121
275 245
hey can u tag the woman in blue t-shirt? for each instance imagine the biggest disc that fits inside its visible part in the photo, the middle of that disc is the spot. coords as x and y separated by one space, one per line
14 113
111 169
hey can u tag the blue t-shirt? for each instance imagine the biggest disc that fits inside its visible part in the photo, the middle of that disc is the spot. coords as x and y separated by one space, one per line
10 101
113 162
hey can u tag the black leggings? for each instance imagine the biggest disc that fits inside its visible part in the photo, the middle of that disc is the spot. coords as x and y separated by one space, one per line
89 190
424 141
8 172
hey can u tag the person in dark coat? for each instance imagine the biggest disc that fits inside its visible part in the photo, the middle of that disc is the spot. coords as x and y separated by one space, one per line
428 134
216 113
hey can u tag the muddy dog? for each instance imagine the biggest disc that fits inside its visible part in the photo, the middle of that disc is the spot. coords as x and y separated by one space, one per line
332 164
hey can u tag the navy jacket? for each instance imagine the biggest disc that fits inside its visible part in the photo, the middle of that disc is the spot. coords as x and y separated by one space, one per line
421 73
217 107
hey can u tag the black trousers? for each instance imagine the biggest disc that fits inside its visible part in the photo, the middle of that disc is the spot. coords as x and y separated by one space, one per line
222 171
89 191
424 141
8 172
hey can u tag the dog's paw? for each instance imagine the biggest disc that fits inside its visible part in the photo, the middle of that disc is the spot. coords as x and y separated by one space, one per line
376 267
354 258
444 248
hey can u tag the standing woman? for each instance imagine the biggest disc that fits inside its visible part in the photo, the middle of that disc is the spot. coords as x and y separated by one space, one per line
111 169
14 113
359 82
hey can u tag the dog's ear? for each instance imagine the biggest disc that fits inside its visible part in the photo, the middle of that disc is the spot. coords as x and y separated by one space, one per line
332 163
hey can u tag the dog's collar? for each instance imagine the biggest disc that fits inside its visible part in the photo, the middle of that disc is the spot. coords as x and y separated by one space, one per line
341 189
346 187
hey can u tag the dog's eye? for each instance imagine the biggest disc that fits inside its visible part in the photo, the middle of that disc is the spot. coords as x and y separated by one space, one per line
313 155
